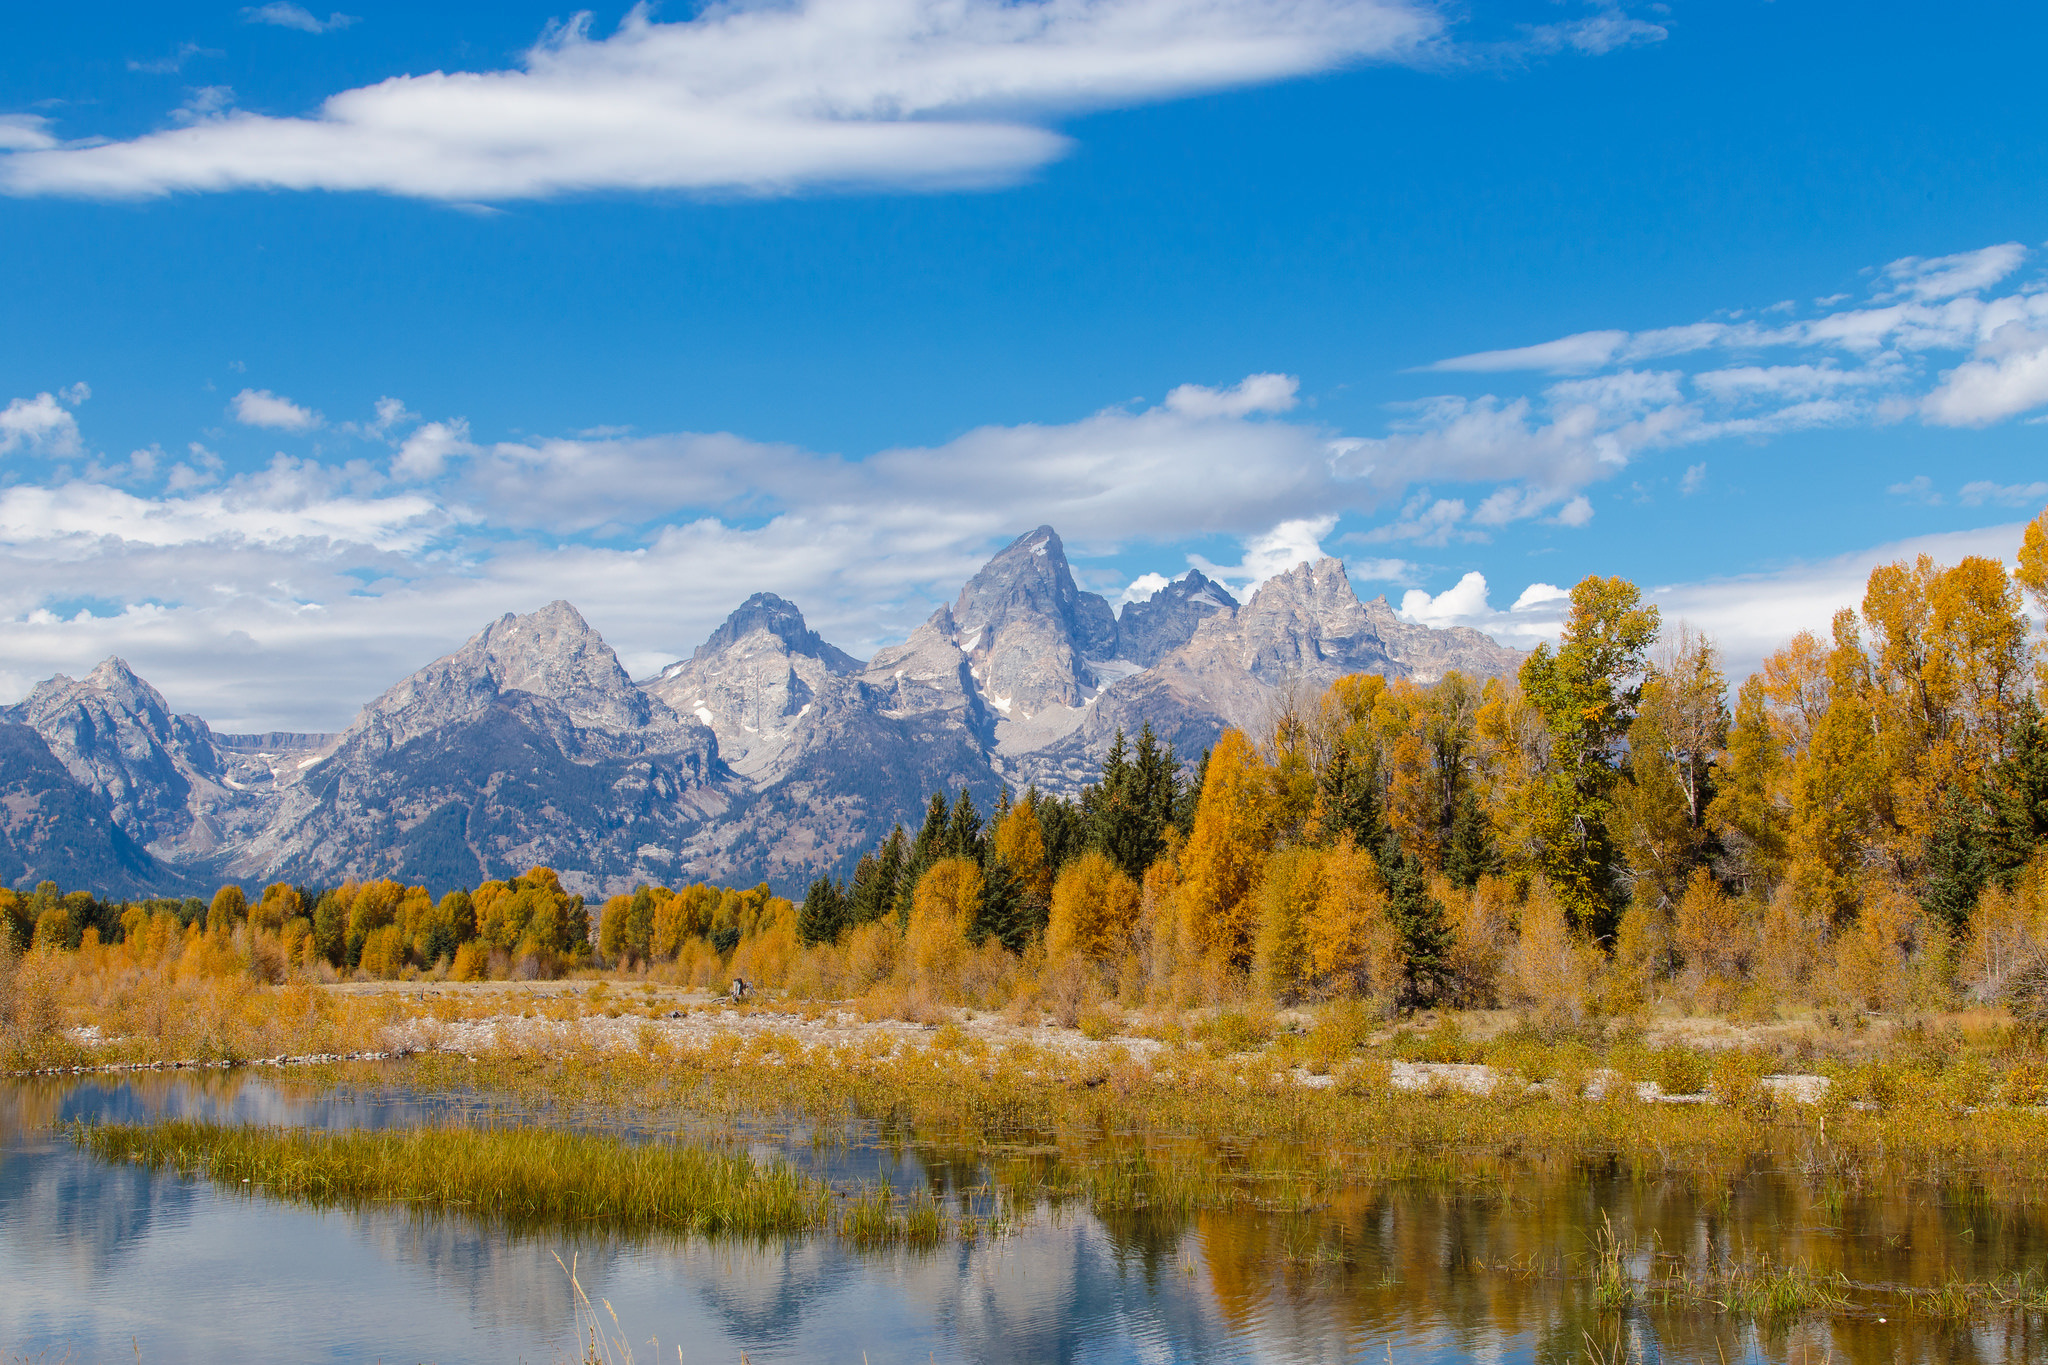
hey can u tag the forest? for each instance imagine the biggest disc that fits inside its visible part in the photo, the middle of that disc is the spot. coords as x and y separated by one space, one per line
1857 827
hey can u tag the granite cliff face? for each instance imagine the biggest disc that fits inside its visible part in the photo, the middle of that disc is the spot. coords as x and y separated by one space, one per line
768 753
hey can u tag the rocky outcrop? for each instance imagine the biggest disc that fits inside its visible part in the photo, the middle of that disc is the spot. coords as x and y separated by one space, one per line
1150 630
162 776
761 682
54 827
1028 632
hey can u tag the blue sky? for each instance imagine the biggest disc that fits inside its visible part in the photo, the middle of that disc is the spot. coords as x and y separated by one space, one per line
317 360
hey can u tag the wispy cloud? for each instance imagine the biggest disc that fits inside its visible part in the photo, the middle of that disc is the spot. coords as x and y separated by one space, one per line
751 98
280 14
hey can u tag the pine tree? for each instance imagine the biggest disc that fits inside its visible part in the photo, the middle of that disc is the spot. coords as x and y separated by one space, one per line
823 914
1957 863
877 881
1349 798
1004 912
1426 939
1470 854
963 830
2017 793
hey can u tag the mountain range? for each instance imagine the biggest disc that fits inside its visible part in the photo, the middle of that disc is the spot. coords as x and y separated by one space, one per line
768 754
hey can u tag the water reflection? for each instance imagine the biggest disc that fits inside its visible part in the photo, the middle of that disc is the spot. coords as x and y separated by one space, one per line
105 1261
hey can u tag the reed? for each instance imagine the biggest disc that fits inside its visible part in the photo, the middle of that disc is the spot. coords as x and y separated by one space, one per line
523 1178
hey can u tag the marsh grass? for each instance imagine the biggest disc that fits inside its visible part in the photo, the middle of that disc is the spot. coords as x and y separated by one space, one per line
523 1178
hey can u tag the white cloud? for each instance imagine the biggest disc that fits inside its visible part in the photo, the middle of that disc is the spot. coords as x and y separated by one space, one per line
1567 355
1977 493
1918 489
756 98
1253 393
25 133
1575 513
427 450
1269 553
1602 32
1585 428
2008 377
1537 615
1142 588
283 15
1695 479
262 408
40 424
1946 276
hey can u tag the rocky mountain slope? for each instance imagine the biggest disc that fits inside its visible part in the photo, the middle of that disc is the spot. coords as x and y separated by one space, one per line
766 754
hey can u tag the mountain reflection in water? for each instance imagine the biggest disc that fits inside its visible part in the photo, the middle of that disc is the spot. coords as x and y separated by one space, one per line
105 1262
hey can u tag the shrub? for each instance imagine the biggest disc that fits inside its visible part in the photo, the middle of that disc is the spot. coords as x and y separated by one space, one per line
1680 1070
1738 1083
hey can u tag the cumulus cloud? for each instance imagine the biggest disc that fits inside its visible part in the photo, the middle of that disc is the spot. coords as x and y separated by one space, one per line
754 98
1536 616
1269 553
262 408
40 424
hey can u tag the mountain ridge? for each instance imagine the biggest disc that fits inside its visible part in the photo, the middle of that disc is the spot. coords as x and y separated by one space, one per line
768 753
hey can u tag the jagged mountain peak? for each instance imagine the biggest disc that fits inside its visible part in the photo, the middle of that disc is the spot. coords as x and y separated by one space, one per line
1149 630
779 617
1030 631
552 653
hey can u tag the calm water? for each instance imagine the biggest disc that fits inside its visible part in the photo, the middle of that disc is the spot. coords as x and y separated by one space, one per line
99 1262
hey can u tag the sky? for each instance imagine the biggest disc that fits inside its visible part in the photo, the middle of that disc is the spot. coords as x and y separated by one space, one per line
333 335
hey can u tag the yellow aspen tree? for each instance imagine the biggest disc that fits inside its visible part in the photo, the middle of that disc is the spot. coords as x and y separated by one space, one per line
229 908
1289 770
1019 844
941 908
1836 784
1094 910
1287 897
1748 810
2032 576
1511 748
1226 852
1353 944
1714 937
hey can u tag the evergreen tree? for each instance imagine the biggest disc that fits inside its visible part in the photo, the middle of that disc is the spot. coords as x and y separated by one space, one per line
1957 864
2017 794
1426 939
1470 854
963 829
1128 813
1064 827
1004 912
823 914
1349 796
877 881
